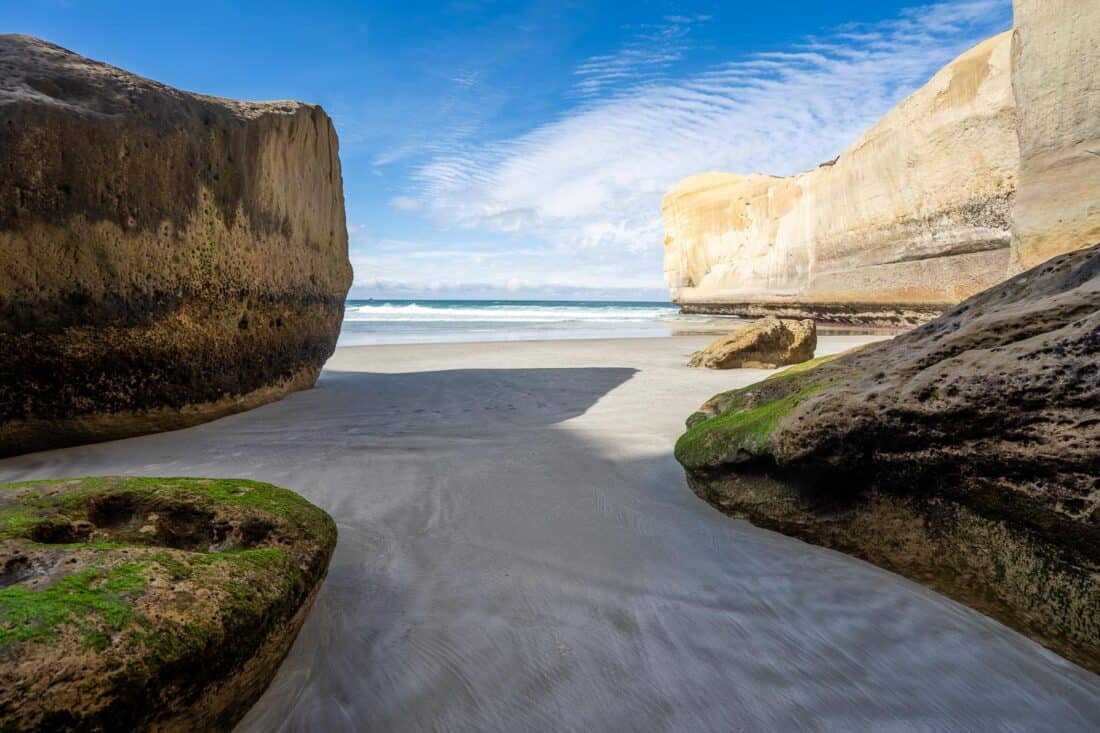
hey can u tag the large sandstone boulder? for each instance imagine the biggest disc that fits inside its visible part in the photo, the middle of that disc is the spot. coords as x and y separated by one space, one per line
766 344
963 454
167 257
914 217
150 604
1056 58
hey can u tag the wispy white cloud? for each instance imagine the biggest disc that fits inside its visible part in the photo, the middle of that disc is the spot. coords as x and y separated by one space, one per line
387 263
593 178
651 51
405 203
512 289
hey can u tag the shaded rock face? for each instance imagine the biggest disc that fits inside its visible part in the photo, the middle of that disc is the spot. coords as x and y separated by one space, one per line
912 218
766 344
141 603
962 454
1055 57
167 258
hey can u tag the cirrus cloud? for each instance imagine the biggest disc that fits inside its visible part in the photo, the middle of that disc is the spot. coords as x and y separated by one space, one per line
594 177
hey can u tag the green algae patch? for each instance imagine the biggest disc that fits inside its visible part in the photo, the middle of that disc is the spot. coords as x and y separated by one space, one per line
55 512
774 387
167 601
736 426
77 599
803 367
737 435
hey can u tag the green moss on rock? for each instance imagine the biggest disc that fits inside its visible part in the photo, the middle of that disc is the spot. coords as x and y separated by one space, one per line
803 367
78 599
737 435
190 588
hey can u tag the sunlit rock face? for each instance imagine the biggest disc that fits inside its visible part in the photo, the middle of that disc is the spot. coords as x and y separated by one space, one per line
1056 78
764 344
915 216
167 257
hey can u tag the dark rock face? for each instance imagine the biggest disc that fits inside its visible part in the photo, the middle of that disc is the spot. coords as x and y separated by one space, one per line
131 603
766 344
886 317
964 454
167 258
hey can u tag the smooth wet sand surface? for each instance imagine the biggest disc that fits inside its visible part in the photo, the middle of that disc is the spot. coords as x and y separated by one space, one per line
519 551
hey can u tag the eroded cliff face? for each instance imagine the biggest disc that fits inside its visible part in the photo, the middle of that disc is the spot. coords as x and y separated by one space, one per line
167 258
1056 78
913 217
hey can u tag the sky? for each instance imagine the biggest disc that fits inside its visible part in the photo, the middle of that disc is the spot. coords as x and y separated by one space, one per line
521 149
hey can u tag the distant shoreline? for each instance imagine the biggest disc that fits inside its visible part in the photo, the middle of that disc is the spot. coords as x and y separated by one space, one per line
394 321
424 321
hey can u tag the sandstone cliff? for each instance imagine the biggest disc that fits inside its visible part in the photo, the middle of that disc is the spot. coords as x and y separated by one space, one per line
962 454
167 257
1056 78
913 217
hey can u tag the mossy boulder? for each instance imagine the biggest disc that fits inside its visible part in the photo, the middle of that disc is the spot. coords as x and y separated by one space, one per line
150 603
962 454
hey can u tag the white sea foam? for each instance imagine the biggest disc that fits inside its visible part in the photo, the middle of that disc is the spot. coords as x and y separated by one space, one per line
428 321
509 313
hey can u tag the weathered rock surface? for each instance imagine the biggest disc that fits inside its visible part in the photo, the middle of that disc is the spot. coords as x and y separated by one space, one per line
1056 54
167 257
915 216
964 454
144 603
766 344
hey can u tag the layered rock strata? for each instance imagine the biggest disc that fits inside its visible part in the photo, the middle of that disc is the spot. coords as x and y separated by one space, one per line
1056 55
912 218
167 257
766 344
962 454
150 604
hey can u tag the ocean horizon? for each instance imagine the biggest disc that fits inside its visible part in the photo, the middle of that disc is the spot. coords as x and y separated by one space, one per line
424 320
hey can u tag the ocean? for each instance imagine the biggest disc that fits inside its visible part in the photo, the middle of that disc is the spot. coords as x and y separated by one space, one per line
368 322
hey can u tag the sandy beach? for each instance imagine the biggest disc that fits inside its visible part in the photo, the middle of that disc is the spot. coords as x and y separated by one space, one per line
519 551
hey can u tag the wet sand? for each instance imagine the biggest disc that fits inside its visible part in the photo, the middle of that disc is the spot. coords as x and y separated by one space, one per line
519 551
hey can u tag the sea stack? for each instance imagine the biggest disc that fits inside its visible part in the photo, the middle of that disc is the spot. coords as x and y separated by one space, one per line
911 219
169 257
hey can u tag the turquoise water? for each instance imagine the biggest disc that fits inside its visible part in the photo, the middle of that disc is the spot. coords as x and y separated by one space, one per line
438 321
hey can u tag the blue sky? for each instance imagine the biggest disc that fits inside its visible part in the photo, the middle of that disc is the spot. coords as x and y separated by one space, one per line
521 149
